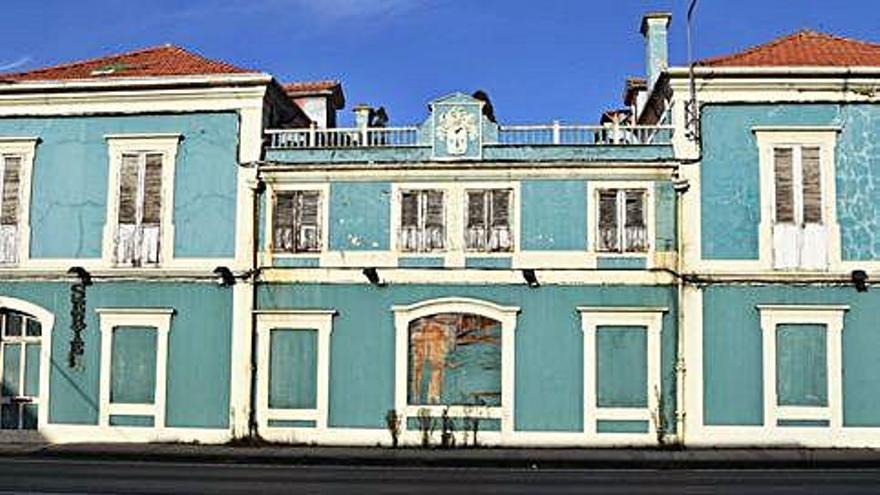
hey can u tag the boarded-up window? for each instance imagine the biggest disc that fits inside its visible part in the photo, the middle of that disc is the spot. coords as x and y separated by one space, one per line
296 222
10 205
422 221
622 220
812 183
139 215
488 226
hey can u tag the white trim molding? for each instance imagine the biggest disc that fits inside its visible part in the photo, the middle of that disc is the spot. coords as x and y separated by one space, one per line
831 317
119 144
506 315
112 318
24 147
651 318
319 320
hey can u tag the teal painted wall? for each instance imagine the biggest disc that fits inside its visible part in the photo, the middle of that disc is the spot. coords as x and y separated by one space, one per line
548 348
732 344
199 348
554 215
71 173
730 192
360 216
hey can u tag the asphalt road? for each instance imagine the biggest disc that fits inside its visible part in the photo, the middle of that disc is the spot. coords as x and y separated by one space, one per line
70 476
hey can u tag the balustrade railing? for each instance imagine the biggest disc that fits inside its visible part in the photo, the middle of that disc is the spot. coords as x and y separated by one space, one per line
538 135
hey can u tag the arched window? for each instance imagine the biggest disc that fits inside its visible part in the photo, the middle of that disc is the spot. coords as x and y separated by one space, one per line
455 355
20 347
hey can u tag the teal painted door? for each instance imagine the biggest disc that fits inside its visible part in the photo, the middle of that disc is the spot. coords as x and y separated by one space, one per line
20 338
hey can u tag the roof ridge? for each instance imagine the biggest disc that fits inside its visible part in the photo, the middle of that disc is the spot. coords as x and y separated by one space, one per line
85 61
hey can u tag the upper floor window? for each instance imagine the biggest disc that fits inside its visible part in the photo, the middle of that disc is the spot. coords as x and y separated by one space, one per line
139 217
142 174
422 221
10 205
296 222
798 218
622 221
488 227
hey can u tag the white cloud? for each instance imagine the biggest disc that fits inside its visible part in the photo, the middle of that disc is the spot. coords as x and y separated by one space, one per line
15 64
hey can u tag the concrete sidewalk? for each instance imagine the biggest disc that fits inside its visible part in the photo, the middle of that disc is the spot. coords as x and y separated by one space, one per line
488 457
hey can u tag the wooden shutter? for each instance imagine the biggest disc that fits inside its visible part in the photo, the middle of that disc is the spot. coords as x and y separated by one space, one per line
308 215
475 234
812 181
128 189
635 230
409 209
608 234
476 209
11 190
153 189
283 222
784 184
501 208
434 220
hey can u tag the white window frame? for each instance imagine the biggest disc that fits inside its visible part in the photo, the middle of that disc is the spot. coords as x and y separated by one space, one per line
513 216
119 144
593 317
112 318
831 316
25 147
324 218
405 314
770 138
47 320
593 188
320 320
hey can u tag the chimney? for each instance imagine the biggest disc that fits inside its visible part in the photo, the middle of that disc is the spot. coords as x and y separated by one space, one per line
655 28
362 115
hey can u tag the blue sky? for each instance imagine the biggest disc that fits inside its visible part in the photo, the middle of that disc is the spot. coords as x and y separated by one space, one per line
538 59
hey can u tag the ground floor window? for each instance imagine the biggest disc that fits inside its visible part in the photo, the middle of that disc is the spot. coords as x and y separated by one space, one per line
293 371
454 357
20 348
622 369
802 365
134 353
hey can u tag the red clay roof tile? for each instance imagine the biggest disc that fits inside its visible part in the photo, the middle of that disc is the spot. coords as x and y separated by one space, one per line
165 60
803 49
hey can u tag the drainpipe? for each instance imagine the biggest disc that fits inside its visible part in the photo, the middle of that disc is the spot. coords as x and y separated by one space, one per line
680 367
258 190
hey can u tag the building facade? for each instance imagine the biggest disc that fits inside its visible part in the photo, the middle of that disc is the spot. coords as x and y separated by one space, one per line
195 252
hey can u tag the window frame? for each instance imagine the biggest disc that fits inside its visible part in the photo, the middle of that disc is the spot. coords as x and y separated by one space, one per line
512 215
405 314
122 144
770 138
831 316
320 320
273 189
593 190
593 317
25 147
113 318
